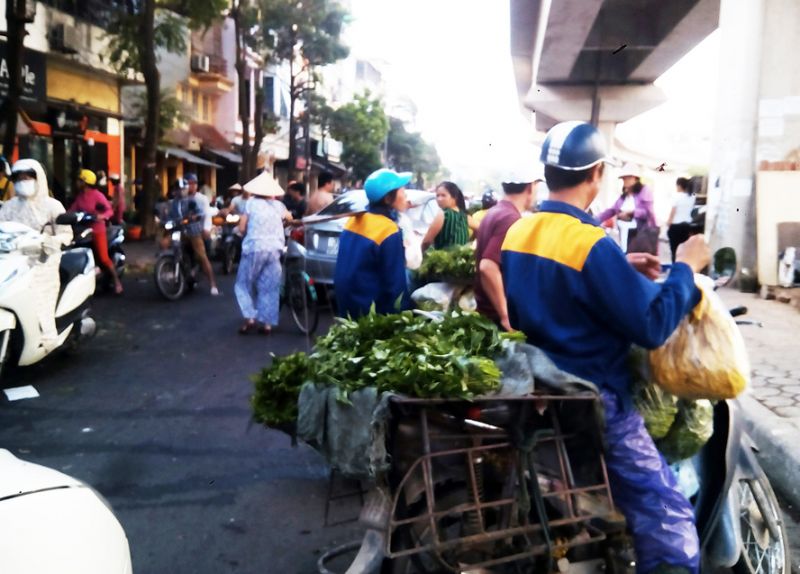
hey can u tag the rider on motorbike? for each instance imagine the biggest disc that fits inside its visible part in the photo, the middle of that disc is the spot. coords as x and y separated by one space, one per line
193 205
92 201
574 294
33 206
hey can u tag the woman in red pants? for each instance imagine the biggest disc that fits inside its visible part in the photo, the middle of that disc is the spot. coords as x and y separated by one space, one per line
90 200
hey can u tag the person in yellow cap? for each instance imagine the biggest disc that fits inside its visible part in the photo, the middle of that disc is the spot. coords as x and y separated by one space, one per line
92 201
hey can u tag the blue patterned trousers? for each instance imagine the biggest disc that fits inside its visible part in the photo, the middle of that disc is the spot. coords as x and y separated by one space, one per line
258 286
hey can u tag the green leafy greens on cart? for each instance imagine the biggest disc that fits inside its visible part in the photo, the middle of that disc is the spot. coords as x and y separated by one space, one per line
403 353
454 264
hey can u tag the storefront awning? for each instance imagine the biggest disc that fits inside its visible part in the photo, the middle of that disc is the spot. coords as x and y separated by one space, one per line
227 155
186 156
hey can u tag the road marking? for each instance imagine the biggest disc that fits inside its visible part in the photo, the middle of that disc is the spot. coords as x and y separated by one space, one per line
19 393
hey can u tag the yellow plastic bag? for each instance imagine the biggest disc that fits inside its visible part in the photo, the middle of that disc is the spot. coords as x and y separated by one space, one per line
705 358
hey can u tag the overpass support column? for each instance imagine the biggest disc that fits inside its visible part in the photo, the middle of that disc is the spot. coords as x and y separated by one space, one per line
758 117
610 188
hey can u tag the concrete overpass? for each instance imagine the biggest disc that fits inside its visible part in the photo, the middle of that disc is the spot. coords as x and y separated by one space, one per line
596 60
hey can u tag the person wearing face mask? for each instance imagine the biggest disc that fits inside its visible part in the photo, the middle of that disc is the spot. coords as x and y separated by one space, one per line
92 201
33 206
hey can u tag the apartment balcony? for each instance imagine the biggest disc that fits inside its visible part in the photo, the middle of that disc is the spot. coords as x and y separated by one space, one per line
210 74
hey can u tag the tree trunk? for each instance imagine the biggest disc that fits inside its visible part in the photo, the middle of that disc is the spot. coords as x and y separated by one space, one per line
15 16
245 173
258 118
152 80
292 122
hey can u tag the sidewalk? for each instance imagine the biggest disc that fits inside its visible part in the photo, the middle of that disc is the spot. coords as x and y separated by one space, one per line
772 407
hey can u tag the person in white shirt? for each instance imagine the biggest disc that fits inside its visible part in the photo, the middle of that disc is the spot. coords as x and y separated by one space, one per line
680 218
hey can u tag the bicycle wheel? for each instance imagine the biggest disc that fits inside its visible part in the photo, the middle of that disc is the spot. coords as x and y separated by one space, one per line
303 302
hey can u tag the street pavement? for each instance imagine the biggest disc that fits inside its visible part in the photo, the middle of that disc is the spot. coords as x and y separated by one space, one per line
154 413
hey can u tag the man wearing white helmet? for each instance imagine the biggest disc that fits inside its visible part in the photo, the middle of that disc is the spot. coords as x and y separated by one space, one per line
574 294
489 293
33 206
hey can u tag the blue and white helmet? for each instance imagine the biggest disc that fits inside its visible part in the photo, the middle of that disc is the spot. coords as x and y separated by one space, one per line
573 146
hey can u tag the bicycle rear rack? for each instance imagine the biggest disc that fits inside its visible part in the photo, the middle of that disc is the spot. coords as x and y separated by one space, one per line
544 515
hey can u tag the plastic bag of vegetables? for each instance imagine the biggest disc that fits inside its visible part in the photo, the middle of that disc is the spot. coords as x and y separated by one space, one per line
705 358
692 428
434 296
657 407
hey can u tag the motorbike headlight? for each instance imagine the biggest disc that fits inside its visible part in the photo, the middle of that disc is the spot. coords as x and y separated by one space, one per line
169 225
176 235
232 218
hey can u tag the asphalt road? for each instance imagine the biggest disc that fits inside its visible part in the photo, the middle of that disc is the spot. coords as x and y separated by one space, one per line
154 413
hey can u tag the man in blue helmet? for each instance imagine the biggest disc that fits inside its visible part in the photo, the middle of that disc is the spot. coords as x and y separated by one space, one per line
576 296
371 265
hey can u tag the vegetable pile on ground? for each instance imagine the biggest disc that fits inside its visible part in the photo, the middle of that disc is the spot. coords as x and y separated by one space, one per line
403 353
453 264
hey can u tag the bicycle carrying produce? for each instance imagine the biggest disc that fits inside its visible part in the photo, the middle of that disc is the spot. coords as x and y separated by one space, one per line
705 358
400 353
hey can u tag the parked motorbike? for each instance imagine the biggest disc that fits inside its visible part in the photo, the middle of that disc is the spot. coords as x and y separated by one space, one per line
231 243
82 231
520 485
176 269
20 333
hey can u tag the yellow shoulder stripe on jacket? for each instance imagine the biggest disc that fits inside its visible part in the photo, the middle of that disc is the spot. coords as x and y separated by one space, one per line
372 226
555 236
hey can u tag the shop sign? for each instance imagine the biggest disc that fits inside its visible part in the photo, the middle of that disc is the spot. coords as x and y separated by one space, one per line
34 77
68 121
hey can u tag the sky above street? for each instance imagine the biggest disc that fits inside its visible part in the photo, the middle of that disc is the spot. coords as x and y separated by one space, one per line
452 58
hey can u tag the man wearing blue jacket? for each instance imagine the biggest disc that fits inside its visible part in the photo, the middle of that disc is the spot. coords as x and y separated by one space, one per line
576 296
371 264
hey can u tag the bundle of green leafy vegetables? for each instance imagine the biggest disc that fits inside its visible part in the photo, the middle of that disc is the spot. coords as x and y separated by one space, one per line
453 264
403 353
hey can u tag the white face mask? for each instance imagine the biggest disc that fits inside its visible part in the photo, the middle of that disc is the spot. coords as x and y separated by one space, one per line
25 188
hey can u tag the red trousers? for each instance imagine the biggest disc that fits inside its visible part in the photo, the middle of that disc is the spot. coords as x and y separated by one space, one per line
100 245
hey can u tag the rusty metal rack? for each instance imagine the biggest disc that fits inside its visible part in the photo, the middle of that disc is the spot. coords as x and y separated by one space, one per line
477 494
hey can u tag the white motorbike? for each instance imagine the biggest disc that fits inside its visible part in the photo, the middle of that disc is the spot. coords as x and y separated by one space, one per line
21 249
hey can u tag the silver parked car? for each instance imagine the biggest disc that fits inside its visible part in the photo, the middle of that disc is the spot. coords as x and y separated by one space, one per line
321 240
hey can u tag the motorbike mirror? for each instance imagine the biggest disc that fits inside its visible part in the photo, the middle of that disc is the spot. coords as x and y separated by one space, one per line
219 203
69 218
723 266
738 311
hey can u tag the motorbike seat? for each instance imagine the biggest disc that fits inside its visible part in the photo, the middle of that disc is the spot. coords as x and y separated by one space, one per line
72 264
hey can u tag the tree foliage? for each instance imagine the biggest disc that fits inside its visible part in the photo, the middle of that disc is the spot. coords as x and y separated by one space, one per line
407 151
138 30
362 127
171 111
307 34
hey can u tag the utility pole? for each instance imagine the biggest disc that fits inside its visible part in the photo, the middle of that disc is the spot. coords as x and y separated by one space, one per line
16 17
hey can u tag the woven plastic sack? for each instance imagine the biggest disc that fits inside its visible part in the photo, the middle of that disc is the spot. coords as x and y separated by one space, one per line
705 358
692 428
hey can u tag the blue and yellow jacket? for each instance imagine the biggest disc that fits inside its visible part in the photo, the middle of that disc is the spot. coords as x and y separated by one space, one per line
573 293
371 266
